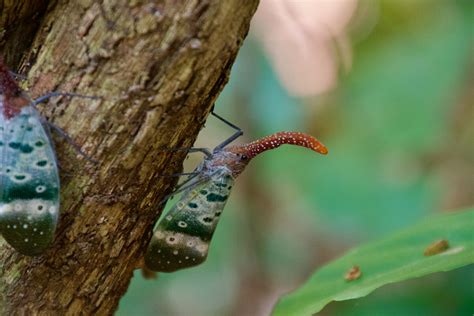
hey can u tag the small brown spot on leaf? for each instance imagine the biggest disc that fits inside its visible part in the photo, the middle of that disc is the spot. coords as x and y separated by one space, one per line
353 274
436 247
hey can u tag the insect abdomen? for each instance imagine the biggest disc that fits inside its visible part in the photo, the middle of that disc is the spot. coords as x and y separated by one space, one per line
182 237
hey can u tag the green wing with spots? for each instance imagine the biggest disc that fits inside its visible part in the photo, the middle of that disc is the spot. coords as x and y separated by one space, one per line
182 237
29 183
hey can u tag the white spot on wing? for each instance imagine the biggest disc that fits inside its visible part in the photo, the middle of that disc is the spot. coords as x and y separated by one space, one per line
40 189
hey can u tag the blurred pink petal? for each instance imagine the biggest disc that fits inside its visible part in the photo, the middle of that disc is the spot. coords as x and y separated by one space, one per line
305 41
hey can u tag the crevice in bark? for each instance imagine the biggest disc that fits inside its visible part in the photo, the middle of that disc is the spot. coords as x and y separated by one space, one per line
19 19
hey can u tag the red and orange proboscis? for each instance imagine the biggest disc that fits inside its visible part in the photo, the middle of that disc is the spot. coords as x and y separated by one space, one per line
242 154
281 138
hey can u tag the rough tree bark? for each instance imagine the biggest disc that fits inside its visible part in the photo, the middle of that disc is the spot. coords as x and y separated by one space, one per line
158 66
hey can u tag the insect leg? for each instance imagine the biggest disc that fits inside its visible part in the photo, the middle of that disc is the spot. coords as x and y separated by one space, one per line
17 76
60 131
205 151
179 174
71 142
185 186
60 94
229 140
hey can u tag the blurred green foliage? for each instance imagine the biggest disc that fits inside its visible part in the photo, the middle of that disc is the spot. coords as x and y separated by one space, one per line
397 257
400 141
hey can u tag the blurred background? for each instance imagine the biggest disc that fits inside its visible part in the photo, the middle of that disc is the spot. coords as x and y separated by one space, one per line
387 85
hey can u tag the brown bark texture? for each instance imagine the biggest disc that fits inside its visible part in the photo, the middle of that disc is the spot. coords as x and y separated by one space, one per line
158 66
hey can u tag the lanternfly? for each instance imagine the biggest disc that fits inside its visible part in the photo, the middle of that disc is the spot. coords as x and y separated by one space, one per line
182 237
29 181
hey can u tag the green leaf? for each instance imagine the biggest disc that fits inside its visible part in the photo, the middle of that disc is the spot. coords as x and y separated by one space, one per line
393 259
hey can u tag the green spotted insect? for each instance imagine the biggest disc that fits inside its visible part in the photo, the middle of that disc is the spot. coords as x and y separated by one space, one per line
29 179
183 235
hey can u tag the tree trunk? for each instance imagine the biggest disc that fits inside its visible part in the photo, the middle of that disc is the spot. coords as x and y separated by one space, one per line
158 66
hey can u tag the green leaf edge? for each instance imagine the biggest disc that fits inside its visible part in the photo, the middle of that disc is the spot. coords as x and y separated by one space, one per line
460 219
